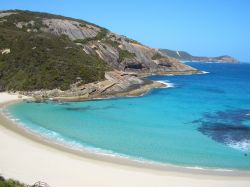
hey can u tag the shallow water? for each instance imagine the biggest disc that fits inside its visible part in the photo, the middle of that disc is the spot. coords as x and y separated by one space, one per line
202 120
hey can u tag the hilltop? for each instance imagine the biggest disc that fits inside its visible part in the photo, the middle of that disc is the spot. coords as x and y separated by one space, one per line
184 56
41 51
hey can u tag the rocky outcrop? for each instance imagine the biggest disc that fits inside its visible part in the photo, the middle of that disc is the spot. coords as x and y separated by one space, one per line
73 29
184 56
116 84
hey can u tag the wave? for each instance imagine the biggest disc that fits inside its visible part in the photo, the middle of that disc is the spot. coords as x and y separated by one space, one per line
167 83
205 169
9 116
204 72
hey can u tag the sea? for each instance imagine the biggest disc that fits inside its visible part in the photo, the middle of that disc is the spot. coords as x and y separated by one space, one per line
199 121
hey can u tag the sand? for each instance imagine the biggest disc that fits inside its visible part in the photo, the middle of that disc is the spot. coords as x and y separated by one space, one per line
29 160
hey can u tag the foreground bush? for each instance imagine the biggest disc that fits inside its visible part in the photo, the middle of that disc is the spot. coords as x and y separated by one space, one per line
10 183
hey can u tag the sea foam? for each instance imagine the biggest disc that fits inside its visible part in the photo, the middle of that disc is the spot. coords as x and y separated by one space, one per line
204 72
241 145
166 83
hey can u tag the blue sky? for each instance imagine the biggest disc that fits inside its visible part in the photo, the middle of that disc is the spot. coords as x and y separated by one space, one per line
204 27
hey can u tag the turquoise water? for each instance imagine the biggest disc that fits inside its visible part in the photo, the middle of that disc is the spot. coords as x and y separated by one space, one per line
202 121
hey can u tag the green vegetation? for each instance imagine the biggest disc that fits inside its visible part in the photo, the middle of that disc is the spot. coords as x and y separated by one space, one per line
82 25
132 41
124 54
10 183
113 43
157 56
30 23
40 60
100 35
30 15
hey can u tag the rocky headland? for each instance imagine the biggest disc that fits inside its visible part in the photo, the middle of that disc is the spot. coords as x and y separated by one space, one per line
184 56
50 56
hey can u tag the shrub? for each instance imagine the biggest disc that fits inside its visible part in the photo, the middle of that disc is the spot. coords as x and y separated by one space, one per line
124 54
100 35
157 56
10 183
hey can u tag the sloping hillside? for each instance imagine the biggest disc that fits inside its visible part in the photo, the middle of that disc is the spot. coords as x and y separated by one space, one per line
45 51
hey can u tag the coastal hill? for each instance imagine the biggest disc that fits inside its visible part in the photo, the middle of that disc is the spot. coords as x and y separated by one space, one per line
184 56
41 51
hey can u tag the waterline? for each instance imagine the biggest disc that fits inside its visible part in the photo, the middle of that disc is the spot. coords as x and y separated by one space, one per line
169 126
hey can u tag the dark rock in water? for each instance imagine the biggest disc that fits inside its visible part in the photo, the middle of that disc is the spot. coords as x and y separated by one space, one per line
89 108
214 90
64 103
227 127
245 154
225 132
233 116
78 108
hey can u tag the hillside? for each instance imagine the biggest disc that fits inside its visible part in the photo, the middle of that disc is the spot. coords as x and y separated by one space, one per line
184 56
45 51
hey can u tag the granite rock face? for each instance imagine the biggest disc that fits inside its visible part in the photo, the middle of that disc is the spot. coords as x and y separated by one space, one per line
73 29
137 57
118 51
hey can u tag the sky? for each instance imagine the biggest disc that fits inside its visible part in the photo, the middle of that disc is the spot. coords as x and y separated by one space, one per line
200 27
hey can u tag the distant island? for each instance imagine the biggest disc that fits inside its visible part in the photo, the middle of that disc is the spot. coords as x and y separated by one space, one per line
184 56
50 56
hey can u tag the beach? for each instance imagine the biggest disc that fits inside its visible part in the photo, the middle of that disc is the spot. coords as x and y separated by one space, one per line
30 159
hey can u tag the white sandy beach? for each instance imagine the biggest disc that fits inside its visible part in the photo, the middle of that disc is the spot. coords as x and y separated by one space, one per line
30 161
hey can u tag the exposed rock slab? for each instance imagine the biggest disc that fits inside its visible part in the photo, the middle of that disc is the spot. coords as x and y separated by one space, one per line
117 83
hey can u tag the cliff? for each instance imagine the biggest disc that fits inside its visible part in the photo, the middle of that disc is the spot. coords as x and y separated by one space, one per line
184 56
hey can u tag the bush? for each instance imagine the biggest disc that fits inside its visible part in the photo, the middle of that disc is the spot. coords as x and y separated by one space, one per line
124 54
113 43
43 60
157 56
100 35
10 183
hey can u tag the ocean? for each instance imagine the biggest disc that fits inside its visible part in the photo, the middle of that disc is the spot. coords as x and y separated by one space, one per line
199 121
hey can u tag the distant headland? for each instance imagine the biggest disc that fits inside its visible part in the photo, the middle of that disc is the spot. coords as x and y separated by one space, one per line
185 56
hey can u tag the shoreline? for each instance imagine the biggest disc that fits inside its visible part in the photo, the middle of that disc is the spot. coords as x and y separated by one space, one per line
107 157
131 165
134 90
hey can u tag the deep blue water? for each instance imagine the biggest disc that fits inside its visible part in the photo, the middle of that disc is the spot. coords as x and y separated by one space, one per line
203 120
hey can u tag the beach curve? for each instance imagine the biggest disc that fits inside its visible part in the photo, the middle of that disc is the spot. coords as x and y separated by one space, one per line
38 161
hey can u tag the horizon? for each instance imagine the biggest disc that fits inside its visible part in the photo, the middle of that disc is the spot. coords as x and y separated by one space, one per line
214 28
